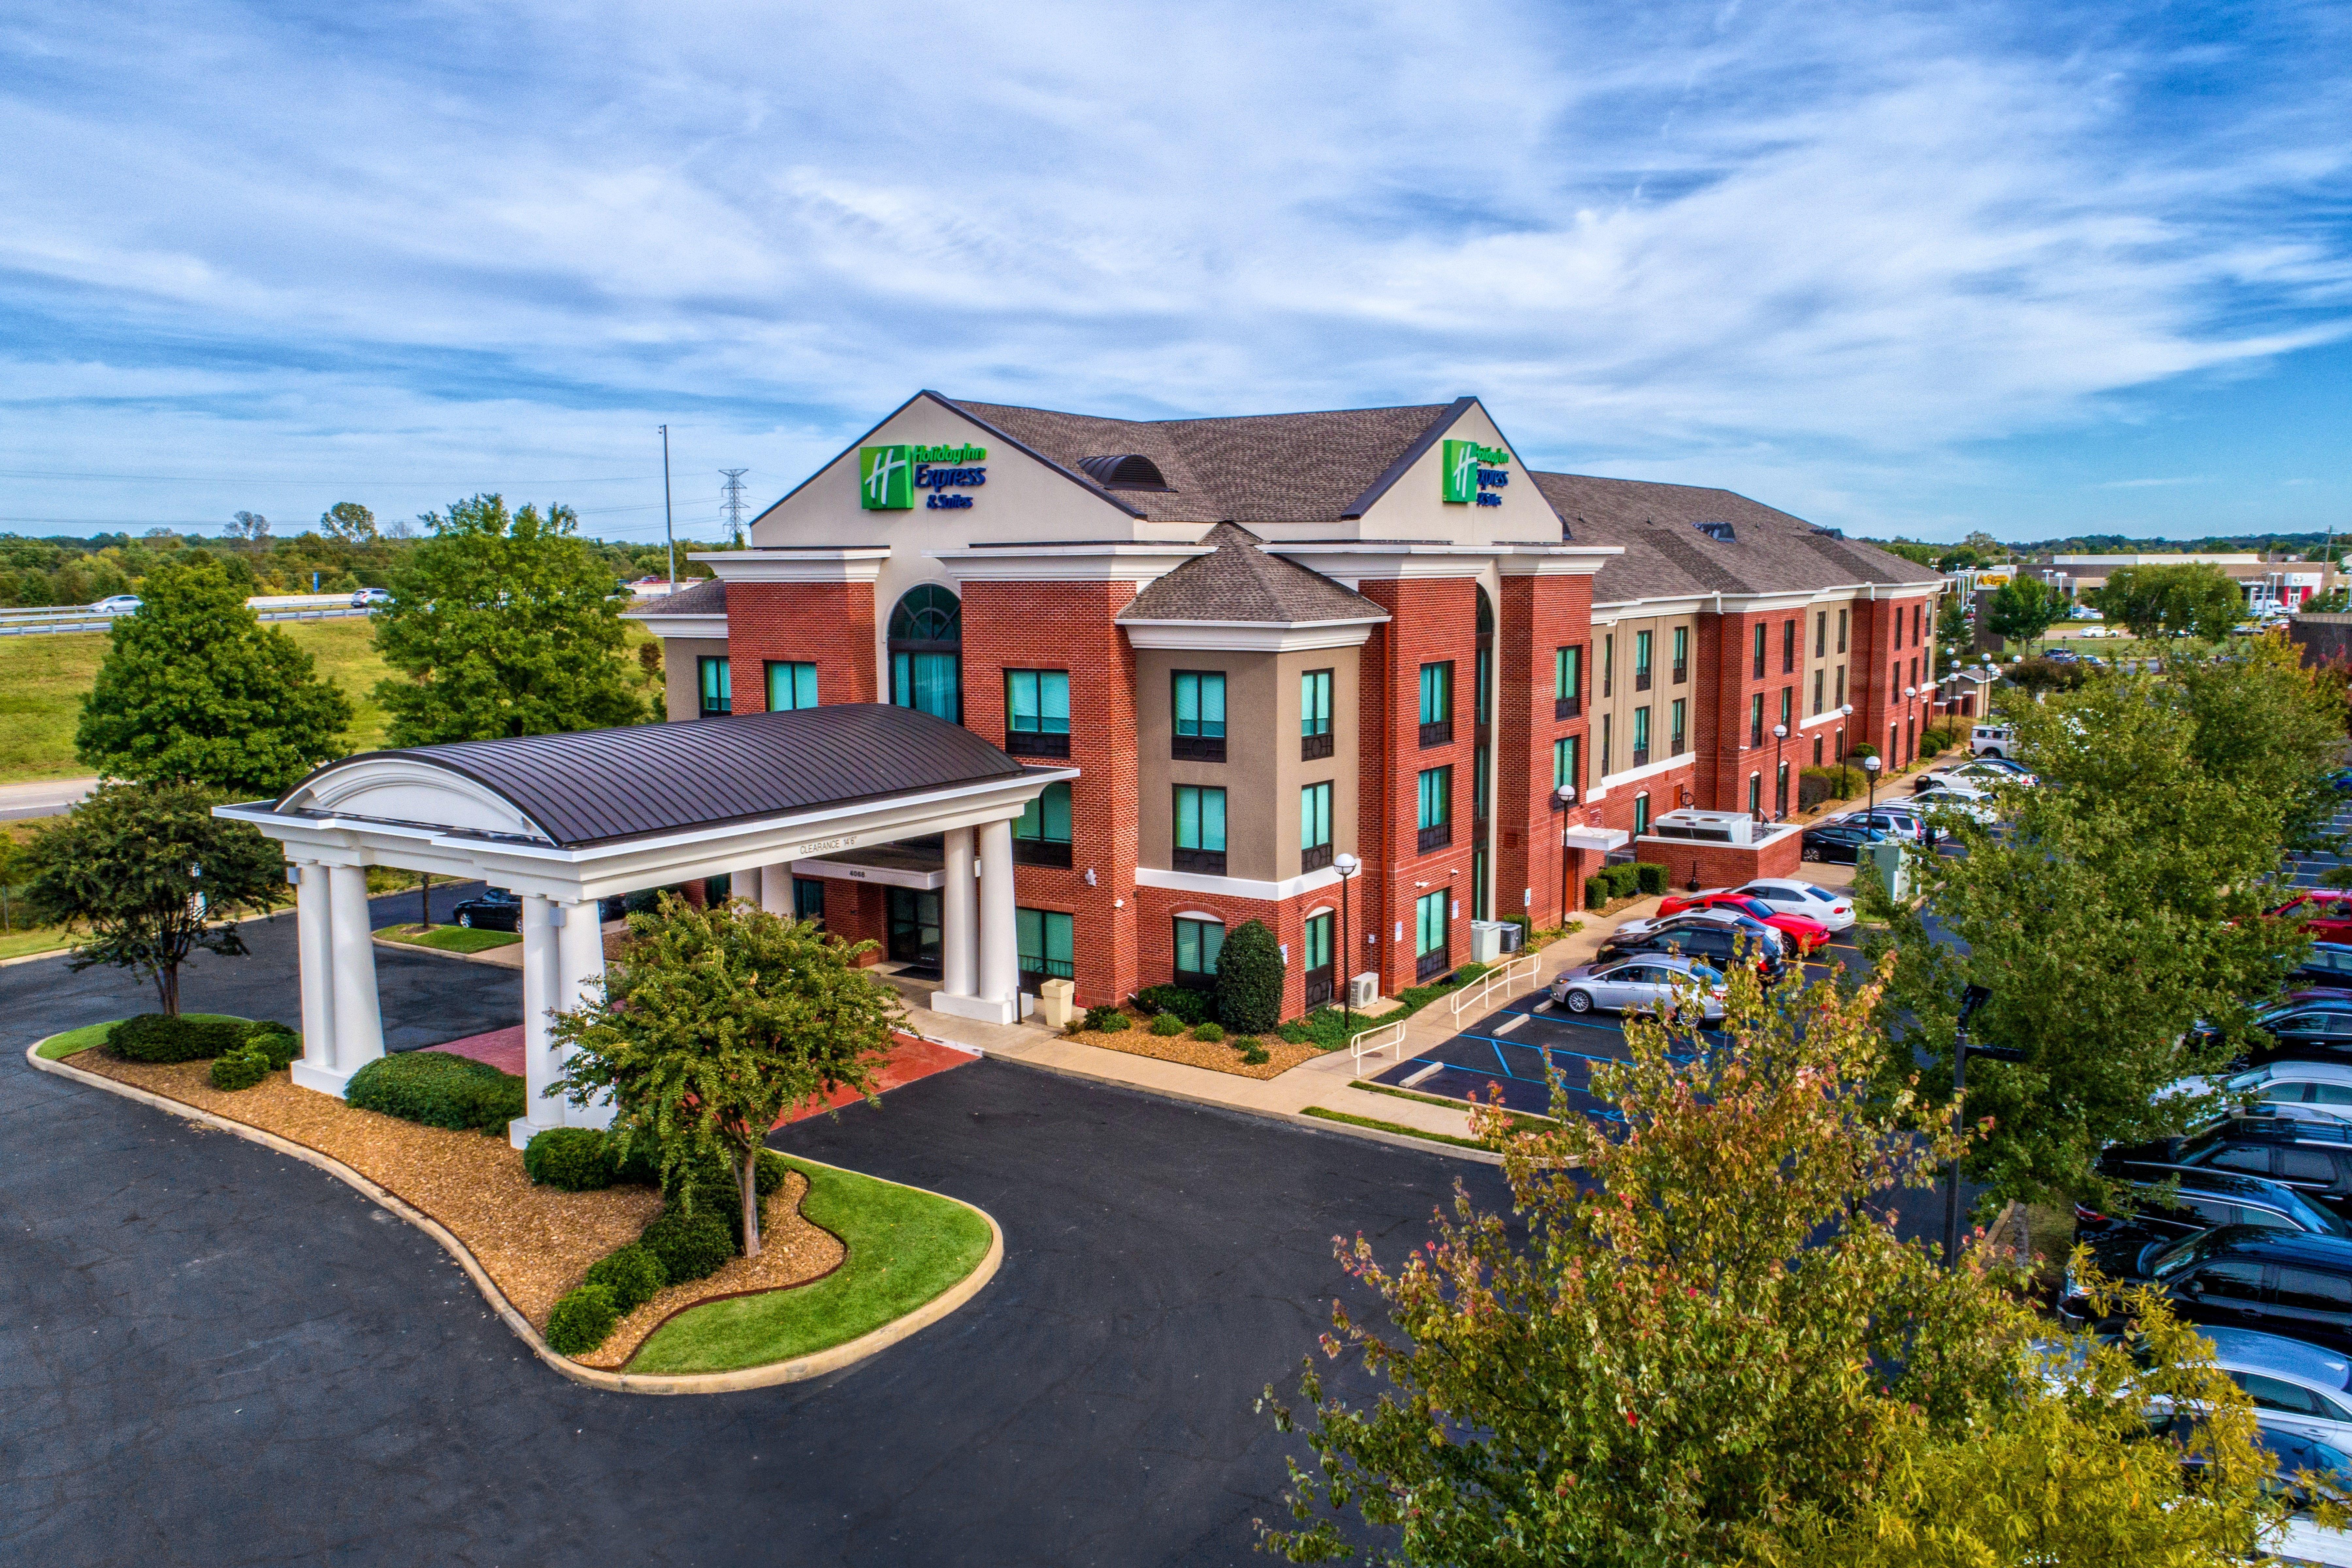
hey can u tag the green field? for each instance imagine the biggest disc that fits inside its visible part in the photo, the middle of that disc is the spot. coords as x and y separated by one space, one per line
44 679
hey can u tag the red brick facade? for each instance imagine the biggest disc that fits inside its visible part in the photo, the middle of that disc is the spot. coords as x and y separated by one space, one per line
829 623
1540 616
1722 865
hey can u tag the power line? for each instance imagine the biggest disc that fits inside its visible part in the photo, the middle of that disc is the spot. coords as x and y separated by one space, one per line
733 493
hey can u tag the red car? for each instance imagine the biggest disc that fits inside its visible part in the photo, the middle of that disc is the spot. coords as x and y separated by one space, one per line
1808 934
2327 916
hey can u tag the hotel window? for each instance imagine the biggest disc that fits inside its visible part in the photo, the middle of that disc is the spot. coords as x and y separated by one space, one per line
1755 795
1042 835
927 652
1640 737
1200 698
1894 749
1787 646
1914 672
1756 720
1197 945
1841 688
1759 650
718 691
1840 631
1316 950
1915 626
1894 679
1817 751
1436 819
1642 814
1200 829
808 898
1676 733
790 686
1314 826
1607 664
1481 702
1780 793
1314 715
1567 682
1605 728
1478 781
1046 941
1641 661
1681 655
1437 703
1567 763
1038 713
1817 690
1787 707
1820 633
1429 945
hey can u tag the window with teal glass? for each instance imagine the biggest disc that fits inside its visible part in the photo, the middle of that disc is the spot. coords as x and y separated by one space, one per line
1478 785
1568 673
1200 818
1037 701
1640 736
1198 943
1046 941
1486 670
1436 693
790 686
1436 796
925 658
1565 761
1200 715
1046 819
1315 816
1315 703
1317 943
718 691
1429 913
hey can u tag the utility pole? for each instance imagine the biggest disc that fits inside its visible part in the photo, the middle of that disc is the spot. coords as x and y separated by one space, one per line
731 497
1974 998
669 530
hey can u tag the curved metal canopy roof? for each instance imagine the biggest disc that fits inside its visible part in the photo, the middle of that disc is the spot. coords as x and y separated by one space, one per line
592 786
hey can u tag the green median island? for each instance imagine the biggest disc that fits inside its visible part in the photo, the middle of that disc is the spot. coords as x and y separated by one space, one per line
905 1248
453 939
56 1048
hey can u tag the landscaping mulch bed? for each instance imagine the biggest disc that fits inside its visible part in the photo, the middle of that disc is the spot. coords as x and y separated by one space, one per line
534 1242
1220 1056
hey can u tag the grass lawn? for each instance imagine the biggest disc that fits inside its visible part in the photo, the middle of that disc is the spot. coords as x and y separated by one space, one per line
24 943
905 1248
453 939
89 1035
1396 1127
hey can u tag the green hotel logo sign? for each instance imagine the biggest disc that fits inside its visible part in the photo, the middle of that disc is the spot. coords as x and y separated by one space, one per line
1472 473
888 476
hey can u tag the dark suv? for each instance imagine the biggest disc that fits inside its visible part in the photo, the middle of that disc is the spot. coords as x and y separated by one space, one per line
2201 1200
1720 945
2314 1158
2243 1276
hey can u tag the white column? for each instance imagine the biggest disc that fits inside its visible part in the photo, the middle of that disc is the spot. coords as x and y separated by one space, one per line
776 889
999 958
358 1027
958 912
539 968
315 932
747 883
579 979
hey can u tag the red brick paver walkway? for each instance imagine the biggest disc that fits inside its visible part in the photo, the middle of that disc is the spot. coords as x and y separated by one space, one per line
502 1049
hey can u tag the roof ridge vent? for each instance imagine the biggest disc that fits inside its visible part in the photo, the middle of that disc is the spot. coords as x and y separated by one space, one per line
1721 531
1124 472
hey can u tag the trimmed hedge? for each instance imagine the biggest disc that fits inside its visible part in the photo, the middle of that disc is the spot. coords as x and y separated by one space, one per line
1211 1032
1249 979
161 1037
1649 877
629 1276
1815 786
573 1159
688 1245
1166 1025
438 1090
1107 1021
1253 1050
1192 1006
275 1041
241 1069
582 1320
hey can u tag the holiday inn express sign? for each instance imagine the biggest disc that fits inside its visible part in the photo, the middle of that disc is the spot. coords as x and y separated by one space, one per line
1472 473
888 476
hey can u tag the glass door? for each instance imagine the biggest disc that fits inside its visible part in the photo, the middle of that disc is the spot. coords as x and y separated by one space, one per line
915 929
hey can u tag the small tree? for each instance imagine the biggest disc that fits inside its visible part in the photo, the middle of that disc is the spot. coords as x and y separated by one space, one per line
249 526
1249 980
2023 609
132 862
195 689
349 522
501 626
716 1021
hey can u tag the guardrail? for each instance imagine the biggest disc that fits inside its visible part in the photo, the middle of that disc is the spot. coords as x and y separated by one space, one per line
1364 1043
89 621
1525 967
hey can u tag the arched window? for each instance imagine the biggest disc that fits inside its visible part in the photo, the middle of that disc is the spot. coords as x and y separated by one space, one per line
926 652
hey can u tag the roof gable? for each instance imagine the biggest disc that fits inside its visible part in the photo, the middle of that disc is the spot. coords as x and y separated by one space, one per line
1239 582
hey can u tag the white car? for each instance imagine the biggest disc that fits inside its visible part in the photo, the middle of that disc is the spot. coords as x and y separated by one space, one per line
118 604
366 597
1902 823
1791 897
1957 800
2297 1387
1991 741
2300 1091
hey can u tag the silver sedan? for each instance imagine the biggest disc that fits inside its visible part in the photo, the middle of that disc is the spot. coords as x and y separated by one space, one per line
1642 982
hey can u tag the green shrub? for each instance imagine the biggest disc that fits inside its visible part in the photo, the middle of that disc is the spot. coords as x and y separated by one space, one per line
1167 1024
1211 1032
437 1089
573 1159
1859 750
708 1187
1192 1006
1253 1050
629 1276
641 1166
276 1041
1649 877
160 1038
1326 1029
688 1245
1469 971
1249 979
241 1069
1596 893
1107 1020
1815 786
1621 880
582 1320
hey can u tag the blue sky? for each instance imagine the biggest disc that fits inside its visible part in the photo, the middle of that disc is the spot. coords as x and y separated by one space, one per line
2034 268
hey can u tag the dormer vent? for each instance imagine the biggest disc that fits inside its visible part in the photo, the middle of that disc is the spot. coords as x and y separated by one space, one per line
1721 531
1124 472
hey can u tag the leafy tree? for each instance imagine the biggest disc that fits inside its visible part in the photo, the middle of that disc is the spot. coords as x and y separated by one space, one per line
132 862
1954 630
1708 1345
1249 979
194 689
2192 600
2039 675
249 526
716 1021
2120 902
2023 608
1987 547
349 522
503 625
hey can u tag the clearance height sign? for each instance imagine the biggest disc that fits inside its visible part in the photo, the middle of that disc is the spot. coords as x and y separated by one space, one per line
1472 474
888 476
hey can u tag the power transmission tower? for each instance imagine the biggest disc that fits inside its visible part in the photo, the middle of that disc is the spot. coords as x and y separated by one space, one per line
731 497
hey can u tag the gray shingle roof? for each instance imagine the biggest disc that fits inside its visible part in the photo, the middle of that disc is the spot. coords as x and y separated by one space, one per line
707 597
1666 557
1290 468
593 786
1237 581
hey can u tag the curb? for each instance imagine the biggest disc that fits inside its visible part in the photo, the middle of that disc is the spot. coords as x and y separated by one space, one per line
817 1363
481 957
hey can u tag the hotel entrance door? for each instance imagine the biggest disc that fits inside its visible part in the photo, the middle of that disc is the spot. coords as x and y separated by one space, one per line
915 930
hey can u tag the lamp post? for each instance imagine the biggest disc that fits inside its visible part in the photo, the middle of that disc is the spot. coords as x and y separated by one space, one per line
1974 998
1347 865
1910 715
1845 715
1779 780
1563 798
1870 772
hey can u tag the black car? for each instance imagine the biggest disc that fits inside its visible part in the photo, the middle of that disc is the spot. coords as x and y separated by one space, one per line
1836 843
2308 1026
1717 942
2247 1276
2200 1200
2314 1158
496 908
2329 966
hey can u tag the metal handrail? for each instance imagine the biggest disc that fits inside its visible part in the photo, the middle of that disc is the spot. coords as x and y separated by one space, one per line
1359 1051
1510 975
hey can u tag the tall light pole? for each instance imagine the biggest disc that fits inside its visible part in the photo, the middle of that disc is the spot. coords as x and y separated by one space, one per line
1347 865
1779 779
669 531
1845 719
1910 717
1974 998
1870 771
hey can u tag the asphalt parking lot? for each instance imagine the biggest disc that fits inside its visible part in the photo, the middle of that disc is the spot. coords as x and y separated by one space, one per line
2312 870
214 1354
